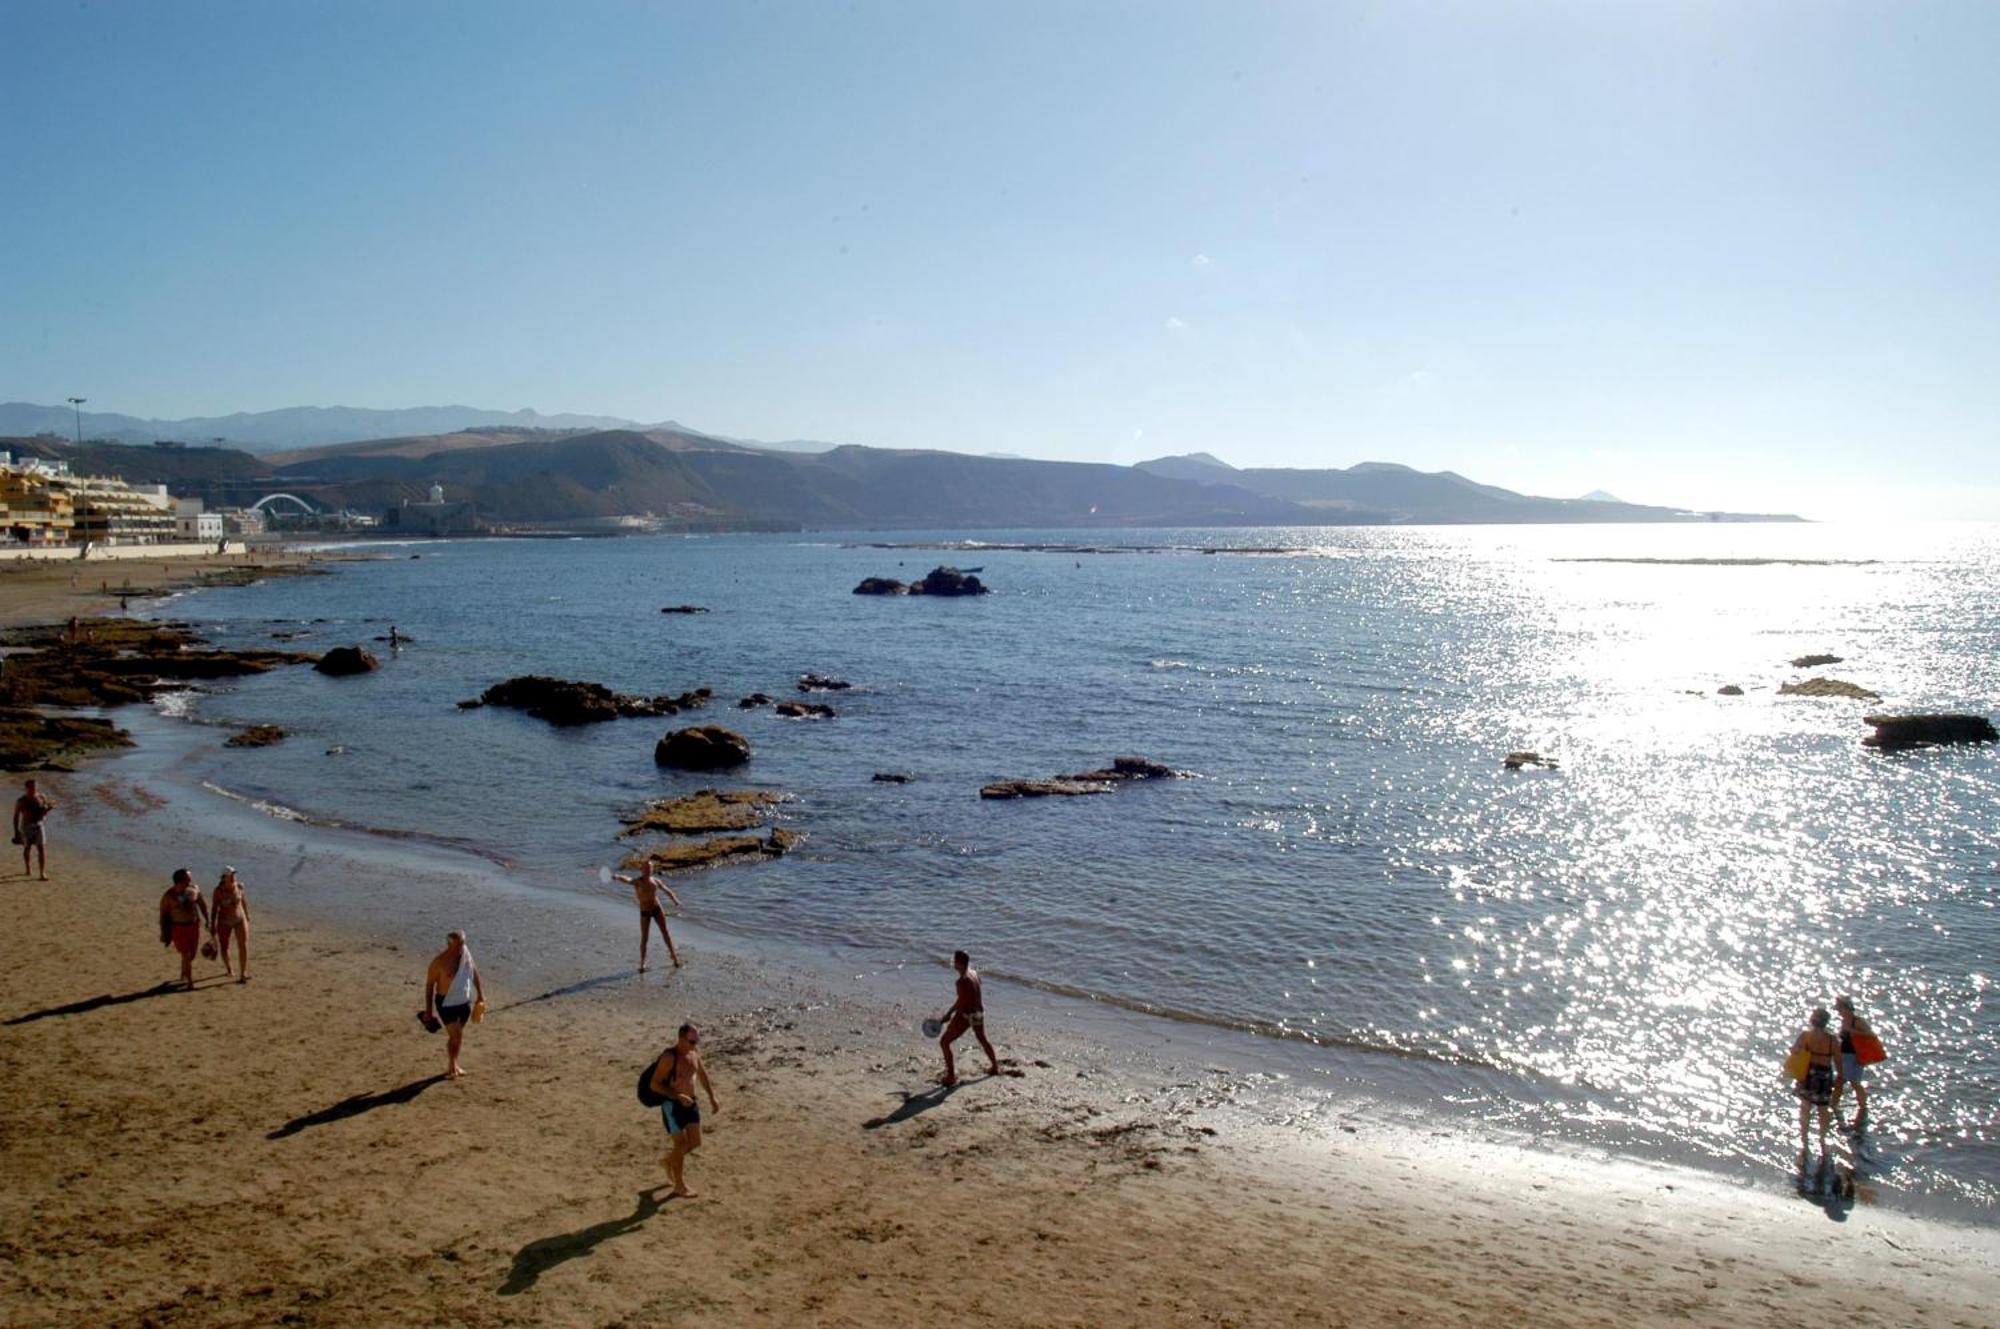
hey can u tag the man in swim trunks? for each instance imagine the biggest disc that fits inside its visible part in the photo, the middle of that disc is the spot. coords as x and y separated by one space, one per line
967 1012
452 987
31 810
674 1077
646 887
183 915
1851 1070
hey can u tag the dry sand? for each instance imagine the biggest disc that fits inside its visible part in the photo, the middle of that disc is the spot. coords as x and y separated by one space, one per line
285 1153
50 590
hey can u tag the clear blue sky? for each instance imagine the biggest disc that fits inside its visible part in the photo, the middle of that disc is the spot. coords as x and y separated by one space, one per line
1730 254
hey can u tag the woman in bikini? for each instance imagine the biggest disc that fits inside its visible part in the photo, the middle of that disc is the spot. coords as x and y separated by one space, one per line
229 909
1815 1087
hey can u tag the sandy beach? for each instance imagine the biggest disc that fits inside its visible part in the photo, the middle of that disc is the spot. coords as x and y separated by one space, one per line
287 1152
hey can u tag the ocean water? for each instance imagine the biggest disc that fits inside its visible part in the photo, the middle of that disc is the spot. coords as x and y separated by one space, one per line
1616 951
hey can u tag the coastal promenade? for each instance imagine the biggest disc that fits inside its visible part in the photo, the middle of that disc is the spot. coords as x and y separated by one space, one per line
287 1152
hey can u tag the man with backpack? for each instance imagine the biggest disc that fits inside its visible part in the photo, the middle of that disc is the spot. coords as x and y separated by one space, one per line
670 1086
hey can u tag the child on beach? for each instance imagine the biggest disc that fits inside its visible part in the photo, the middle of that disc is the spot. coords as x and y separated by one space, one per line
674 1077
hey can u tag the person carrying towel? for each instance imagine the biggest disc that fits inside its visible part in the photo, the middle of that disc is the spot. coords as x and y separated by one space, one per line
454 995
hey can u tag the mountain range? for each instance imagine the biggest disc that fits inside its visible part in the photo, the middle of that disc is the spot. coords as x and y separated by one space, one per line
520 476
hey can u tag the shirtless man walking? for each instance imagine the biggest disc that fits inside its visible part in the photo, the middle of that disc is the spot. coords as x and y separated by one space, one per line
967 1012
183 915
31 809
451 988
647 888
674 1077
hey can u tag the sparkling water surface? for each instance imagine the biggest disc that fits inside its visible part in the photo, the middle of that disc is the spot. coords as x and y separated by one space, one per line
1618 950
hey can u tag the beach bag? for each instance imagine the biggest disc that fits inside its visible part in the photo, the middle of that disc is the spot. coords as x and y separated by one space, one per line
1797 1064
1868 1049
647 1097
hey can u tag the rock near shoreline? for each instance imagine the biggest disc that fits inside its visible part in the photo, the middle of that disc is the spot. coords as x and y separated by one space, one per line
565 702
938 581
1122 770
702 748
1899 733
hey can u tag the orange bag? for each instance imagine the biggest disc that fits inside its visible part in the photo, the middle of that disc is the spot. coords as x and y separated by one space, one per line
1868 1049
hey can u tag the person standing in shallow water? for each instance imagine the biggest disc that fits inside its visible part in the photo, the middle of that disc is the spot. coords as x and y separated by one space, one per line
183 915
968 1011
453 993
1815 1087
1851 1070
674 1078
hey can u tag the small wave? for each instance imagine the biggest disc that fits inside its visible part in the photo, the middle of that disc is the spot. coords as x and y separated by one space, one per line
1169 664
279 811
177 705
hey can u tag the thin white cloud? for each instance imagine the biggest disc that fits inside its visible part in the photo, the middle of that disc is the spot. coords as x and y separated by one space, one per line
1173 324
1203 261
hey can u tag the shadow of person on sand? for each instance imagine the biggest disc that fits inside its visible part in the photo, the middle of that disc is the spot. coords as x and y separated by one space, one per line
539 1256
355 1106
89 1004
568 991
914 1105
1828 1185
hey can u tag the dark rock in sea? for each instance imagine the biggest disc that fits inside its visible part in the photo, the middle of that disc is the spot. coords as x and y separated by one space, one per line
889 777
342 661
753 701
1828 687
821 683
705 812
470 704
684 609
256 736
805 710
948 581
1729 690
1044 788
702 748
1514 761
1815 661
1894 733
560 701
880 586
116 661
1128 768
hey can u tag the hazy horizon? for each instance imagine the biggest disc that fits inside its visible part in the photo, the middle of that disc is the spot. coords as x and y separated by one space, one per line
1732 257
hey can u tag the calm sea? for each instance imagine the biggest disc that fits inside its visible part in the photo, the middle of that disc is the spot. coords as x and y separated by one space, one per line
1618 950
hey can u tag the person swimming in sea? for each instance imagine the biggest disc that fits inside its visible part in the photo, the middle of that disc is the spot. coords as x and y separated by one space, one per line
646 889
1815 1087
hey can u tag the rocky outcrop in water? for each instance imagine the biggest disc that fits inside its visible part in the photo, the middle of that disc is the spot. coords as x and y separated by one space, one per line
566 702
1894 733
117 661
684 609
705 813
821 683
1815 661
346 661
805 710
256 736
1122 770
753 701
702 748
1515 761
938 581
30 741
685 857
1729 690
1828 687
889 777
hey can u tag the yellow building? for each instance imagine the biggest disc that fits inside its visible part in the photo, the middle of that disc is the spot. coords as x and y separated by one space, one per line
112 512
35 509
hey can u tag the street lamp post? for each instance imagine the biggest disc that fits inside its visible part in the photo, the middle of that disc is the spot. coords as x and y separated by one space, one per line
76 404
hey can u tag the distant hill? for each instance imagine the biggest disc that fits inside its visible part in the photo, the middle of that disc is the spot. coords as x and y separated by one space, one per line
1599 496
291 427
521 476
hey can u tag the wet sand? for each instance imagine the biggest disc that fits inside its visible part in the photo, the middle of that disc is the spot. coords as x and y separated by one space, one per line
286 1152
50 590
